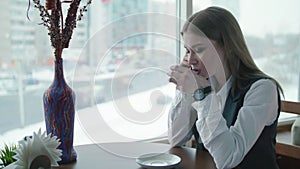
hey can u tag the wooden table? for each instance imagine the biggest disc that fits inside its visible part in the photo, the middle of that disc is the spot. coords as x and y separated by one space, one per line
101 157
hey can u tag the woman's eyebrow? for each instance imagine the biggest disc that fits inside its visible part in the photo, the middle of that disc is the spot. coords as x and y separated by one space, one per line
194 46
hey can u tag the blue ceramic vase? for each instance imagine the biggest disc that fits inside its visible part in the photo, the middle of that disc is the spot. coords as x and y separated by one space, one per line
59 101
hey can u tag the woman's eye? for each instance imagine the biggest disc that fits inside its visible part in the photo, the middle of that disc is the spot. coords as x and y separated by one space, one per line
198 50
187 51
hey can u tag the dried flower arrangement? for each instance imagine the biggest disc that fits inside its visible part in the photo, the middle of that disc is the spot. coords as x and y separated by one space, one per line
52 18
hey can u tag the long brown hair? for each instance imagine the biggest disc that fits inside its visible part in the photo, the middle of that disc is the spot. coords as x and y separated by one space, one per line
220 25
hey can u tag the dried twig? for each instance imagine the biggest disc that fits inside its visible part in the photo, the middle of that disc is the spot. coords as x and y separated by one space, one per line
60 33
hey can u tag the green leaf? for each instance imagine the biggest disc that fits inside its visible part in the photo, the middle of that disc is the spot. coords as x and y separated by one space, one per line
6 154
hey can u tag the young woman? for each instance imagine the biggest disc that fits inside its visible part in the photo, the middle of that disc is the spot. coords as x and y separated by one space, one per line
223 98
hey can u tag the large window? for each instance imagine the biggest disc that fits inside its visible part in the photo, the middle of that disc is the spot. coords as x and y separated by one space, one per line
116 63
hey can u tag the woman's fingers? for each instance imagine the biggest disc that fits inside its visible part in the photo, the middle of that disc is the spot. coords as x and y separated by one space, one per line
172 80
175 74
179 68
185 79
174 77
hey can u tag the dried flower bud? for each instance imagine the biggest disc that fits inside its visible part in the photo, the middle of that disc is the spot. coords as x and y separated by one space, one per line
50 4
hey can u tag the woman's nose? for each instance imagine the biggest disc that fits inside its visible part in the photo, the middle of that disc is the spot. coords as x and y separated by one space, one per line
192 59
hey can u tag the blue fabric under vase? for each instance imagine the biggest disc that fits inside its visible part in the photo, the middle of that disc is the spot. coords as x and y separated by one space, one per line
59 100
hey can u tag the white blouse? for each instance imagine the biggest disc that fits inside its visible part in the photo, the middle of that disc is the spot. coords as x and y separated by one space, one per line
228 146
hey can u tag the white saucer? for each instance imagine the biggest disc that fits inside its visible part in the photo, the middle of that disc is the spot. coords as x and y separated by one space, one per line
158 160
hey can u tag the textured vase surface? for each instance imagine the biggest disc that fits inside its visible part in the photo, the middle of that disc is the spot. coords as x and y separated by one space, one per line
59 100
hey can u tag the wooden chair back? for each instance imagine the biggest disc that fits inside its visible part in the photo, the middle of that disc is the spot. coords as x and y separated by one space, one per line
290 107
284 147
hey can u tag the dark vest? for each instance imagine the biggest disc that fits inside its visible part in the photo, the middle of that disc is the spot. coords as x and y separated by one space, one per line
262 154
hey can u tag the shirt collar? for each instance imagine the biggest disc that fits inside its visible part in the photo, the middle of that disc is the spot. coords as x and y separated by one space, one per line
225 88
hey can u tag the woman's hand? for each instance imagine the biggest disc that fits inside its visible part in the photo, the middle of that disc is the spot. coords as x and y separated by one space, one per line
184 63
186 80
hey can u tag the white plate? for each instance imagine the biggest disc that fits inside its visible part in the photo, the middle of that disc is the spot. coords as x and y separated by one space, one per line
158 160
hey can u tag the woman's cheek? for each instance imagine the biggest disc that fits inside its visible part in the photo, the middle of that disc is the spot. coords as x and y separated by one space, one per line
209 64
